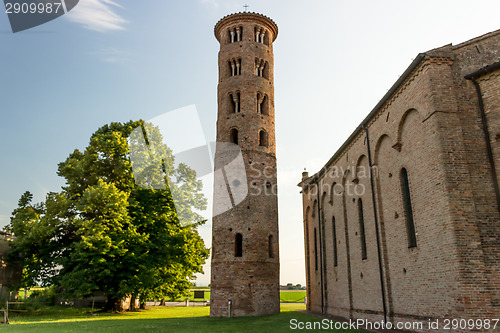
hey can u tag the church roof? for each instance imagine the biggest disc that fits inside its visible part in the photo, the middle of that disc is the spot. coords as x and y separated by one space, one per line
406 74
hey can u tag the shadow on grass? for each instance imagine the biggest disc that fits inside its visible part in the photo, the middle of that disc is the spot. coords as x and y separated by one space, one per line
167 320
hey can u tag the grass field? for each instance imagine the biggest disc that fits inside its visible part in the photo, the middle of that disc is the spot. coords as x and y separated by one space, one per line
157 319
292 296
286 296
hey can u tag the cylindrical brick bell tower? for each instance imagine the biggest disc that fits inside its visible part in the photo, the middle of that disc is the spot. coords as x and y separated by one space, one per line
245 249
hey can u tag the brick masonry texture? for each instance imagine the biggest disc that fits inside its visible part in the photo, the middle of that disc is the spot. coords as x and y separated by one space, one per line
429 124
249 281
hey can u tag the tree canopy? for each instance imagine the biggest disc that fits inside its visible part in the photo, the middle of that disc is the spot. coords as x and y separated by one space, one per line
108 231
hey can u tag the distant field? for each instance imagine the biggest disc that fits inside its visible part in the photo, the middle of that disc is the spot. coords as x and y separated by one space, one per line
292 296
286 296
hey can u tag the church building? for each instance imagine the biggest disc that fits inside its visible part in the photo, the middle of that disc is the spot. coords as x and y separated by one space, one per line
403 222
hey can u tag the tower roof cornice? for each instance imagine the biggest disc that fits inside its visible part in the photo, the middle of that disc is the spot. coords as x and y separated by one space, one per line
246 16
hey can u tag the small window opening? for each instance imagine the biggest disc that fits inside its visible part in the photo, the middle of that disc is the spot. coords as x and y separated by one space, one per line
238 245
410 223
263 138
271 249
362 229
335 256
315 250
234 136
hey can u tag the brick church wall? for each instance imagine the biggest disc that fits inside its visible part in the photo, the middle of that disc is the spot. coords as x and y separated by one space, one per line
429 124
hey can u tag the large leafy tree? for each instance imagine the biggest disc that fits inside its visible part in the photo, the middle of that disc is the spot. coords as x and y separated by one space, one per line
108 231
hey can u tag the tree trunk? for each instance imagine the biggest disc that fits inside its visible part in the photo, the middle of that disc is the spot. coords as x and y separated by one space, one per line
162 302
133 299
113 304
142 304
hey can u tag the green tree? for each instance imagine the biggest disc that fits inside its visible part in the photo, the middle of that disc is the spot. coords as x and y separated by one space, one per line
110 232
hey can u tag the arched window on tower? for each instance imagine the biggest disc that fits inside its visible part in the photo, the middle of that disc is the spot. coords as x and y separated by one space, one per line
261 35
271 249
263 138
238 245
261 68
262 104
235 67
235 34
234 99
362 229
410 224
234 136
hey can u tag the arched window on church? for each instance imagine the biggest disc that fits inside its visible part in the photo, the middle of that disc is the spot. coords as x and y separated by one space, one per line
315 250
362 229
238 245
263 138
335 256
271 249
234 136
410 224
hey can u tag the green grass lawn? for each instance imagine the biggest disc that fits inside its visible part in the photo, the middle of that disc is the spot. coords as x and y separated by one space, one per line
292 296
286 296
156 319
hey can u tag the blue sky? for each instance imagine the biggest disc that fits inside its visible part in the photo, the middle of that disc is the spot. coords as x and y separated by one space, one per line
119 60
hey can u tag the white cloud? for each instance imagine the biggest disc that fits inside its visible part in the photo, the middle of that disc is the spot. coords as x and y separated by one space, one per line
212 3
98 15
112 56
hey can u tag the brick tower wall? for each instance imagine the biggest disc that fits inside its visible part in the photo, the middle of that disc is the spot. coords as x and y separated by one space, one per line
249 281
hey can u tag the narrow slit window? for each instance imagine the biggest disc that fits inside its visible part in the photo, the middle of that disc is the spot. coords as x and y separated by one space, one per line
362 229
315 250
335 256
271 250
410 224
263 138
234 136
238 245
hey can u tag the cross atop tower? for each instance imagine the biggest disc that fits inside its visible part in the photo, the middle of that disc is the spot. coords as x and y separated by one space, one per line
246 7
